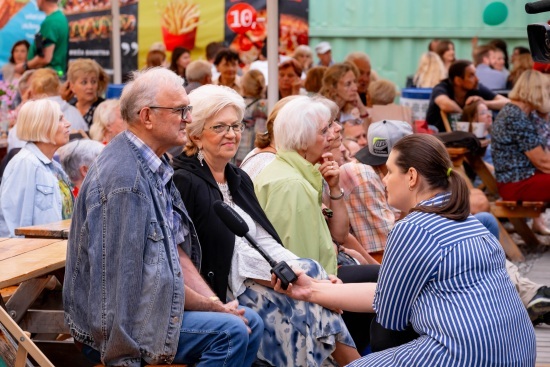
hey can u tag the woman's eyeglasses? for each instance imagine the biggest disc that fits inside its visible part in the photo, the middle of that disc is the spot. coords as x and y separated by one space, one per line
224 129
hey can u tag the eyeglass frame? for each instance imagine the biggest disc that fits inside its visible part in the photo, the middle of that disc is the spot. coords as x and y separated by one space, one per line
184 109
226 128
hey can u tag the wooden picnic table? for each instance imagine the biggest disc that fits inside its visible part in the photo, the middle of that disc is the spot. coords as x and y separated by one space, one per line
49 230
31 263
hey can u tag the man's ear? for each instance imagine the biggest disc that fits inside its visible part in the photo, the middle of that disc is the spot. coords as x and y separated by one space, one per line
145 118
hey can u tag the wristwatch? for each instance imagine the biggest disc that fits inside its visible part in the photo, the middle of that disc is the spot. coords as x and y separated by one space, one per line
339 196
25 66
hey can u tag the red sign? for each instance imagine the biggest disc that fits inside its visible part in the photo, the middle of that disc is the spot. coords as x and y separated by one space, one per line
241 18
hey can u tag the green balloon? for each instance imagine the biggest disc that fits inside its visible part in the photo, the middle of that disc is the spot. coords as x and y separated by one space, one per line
495 13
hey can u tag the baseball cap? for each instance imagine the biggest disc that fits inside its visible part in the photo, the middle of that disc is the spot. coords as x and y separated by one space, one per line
322 48
381 137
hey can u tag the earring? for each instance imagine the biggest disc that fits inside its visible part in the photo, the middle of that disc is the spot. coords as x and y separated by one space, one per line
200 157
410 188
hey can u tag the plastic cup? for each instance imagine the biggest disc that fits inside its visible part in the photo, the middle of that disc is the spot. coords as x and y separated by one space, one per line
462 126
479 129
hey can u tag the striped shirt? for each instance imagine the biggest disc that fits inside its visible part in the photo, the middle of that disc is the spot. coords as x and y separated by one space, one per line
448 279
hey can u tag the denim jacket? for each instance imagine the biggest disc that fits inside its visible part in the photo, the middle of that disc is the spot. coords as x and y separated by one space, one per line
123 293
30 193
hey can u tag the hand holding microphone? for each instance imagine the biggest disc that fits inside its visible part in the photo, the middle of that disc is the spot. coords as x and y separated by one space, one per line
237 225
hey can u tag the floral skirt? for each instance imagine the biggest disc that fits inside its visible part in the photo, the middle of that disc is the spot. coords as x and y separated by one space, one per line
296 333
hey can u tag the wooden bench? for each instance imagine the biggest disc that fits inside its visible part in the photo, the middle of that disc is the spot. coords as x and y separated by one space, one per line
517 212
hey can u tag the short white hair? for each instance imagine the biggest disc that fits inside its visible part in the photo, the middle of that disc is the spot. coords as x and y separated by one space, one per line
38 121
297 123
143 90
78 153
207 101
104 116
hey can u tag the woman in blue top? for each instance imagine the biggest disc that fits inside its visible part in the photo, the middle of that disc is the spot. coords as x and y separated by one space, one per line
443 273
35 189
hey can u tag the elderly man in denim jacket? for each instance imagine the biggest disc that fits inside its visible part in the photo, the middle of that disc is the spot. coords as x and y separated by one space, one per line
133 252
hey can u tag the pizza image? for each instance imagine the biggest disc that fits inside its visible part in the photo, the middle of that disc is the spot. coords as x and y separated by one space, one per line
293 31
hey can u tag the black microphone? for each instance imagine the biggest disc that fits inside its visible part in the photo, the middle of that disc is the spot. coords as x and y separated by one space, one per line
237 225
537 7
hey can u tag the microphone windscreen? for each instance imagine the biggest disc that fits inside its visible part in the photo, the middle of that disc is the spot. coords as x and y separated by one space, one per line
231 218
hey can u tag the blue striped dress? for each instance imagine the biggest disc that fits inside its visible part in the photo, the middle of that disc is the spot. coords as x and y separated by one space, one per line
448 280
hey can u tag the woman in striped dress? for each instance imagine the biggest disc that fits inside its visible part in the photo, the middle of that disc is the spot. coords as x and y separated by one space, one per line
443 274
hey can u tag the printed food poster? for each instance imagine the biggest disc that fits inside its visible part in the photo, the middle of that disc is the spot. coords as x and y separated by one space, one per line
191 24
90 32
246 26
19 19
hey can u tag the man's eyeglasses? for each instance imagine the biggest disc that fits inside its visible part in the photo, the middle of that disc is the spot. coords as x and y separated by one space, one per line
184 110
224 129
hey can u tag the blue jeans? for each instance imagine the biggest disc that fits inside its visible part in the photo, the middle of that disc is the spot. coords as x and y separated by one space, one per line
489 221
214 339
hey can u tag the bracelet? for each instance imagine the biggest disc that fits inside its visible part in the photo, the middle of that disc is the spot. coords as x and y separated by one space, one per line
337 197
365 115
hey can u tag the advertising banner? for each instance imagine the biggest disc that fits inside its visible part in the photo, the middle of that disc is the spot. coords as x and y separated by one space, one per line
19 19
90 27
191 24
246 26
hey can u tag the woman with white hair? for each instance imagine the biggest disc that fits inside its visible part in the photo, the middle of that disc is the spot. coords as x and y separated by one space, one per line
34 188
296 333
108 122
76 158
289 189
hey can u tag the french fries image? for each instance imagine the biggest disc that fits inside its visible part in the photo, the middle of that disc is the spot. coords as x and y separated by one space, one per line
180 17
179 21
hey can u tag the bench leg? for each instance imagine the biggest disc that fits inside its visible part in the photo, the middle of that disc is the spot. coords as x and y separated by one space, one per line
521 227
508 244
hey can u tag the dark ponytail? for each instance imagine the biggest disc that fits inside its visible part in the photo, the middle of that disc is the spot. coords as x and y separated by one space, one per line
429 157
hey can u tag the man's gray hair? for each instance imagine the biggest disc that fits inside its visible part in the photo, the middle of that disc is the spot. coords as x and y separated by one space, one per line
143 89
78 153
197 70
357 55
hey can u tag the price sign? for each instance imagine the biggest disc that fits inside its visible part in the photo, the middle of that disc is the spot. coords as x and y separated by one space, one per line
241 18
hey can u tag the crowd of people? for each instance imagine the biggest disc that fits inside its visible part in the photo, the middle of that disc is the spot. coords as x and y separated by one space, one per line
397 259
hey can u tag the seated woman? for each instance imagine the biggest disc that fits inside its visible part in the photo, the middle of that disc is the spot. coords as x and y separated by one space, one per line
290 72
35 189
255 114
430 72
443 273
88 81
290 191
297 333
382 95
76 157
520 153
340 86
264 153
227 64
181 57
18 55
108 122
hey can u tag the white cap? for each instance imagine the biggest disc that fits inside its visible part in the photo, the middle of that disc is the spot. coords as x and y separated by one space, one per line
323 48
381 137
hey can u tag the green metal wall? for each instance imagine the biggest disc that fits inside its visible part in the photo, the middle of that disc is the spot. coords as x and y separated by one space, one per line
395 33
